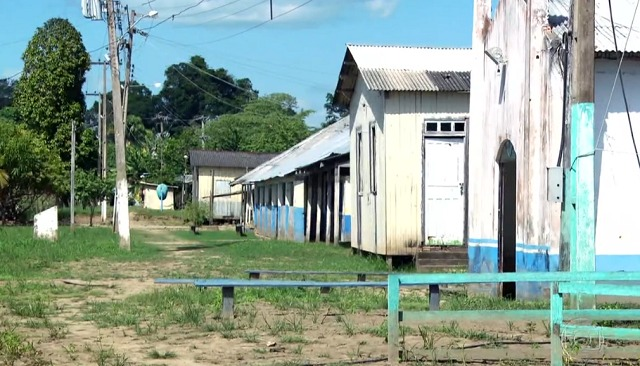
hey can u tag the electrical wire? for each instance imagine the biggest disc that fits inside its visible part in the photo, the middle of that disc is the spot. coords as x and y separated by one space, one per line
210 10
232 14
619 75
257 25
207 92
173 16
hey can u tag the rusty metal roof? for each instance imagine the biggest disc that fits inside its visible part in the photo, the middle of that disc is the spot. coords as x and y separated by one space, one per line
411 80
329 142
227 159
623 10
393 68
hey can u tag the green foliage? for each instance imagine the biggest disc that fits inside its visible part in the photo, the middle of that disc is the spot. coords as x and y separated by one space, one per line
91 189
29 166
333 113
49 94
267 124
195 213
49 97
193 89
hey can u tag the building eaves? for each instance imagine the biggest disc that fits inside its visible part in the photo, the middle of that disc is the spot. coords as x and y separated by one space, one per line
411 80
330 141
623 10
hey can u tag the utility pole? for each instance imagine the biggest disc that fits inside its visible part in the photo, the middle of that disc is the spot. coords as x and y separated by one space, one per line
578 213
103 140
72 204
127 74
122 187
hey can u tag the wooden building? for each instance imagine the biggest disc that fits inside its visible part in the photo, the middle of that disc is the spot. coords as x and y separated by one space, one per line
303 193
518 104
408 108
213 172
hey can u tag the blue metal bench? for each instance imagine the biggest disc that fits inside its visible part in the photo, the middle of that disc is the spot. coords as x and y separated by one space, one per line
228 287
361 276
561 279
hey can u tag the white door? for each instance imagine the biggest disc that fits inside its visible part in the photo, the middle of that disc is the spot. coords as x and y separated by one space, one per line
444 178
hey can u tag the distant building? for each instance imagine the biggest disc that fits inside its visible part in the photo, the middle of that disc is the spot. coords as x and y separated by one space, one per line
408 110
303 193
213 171
150 198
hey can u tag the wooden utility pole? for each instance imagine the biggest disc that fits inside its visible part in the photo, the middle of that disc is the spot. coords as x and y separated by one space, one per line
72 203
578 215
122 187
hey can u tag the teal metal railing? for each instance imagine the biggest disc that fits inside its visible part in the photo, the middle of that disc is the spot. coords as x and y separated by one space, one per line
561 331
557 280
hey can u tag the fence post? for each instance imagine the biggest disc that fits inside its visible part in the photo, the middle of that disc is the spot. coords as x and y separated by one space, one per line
556 321
393 321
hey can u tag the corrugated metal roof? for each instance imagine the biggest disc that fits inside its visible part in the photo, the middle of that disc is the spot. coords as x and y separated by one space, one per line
330 141
412 80
559 11
227 159
411 58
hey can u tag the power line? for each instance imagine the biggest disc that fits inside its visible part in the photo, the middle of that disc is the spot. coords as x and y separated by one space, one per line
233 85
172 16
619 75
257 25
206 92
235 13
211 10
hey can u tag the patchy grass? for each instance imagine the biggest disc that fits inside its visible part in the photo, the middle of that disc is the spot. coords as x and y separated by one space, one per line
26 257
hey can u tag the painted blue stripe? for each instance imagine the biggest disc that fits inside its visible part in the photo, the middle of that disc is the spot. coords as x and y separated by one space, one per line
519 245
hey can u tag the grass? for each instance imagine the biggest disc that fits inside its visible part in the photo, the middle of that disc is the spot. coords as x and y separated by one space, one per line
26 257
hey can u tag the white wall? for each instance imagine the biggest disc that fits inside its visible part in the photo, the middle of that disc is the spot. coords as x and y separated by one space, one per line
617 174
404 120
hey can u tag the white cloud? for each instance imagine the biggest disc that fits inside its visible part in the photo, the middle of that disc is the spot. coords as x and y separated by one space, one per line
382 7
157 85
216 12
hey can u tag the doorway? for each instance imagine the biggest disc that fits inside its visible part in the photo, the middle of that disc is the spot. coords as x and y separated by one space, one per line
507 205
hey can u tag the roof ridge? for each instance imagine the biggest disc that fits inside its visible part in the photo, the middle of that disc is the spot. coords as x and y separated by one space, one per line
407 46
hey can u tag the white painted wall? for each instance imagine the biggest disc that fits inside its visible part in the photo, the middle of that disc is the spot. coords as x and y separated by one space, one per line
617 174
404 119
529 115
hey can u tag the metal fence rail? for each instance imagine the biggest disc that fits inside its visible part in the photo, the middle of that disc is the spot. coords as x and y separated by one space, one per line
587 279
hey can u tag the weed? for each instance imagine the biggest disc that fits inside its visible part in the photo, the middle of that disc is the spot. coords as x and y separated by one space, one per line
29 308
157 355
293 339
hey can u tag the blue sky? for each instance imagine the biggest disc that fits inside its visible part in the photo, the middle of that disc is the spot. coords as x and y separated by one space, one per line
299 53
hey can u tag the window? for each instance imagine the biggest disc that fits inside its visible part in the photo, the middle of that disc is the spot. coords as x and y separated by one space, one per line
372 158
359 160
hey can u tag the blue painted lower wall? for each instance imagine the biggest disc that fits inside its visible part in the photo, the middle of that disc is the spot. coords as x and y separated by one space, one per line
279 222
483 258
345 228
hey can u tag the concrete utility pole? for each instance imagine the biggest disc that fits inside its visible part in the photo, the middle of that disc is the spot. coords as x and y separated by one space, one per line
103 140
578 214
122 187
72 204
127 74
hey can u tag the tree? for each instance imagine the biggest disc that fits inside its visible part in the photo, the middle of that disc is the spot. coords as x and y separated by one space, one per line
4 177
267 124
333 113
28 165
193 89
91 189
49 97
